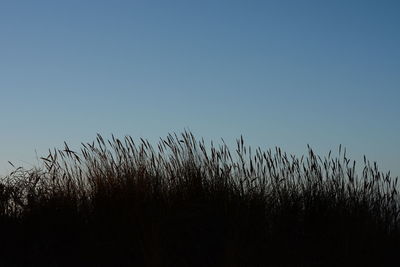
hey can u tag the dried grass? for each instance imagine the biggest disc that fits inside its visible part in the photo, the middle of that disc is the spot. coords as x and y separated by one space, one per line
121 202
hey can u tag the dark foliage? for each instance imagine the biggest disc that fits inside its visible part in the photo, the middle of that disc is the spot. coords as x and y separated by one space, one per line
117 203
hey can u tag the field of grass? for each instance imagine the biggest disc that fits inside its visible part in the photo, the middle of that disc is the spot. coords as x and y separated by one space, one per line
180 203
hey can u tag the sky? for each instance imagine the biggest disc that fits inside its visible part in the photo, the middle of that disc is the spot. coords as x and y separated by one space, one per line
280 73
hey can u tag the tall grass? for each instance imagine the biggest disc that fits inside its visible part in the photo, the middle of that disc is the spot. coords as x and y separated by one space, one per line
120 202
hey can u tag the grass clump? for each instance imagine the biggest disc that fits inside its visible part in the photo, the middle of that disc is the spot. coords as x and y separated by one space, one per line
121 203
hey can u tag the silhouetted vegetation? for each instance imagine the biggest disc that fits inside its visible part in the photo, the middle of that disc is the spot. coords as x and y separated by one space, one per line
121 203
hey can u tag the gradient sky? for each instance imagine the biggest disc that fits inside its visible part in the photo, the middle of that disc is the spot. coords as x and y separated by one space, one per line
285 73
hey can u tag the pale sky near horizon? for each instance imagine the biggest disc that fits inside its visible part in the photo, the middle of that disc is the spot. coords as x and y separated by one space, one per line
282 73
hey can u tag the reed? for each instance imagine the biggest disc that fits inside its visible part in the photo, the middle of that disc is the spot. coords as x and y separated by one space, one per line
183 203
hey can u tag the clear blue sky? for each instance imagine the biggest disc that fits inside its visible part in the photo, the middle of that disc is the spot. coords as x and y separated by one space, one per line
284 73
